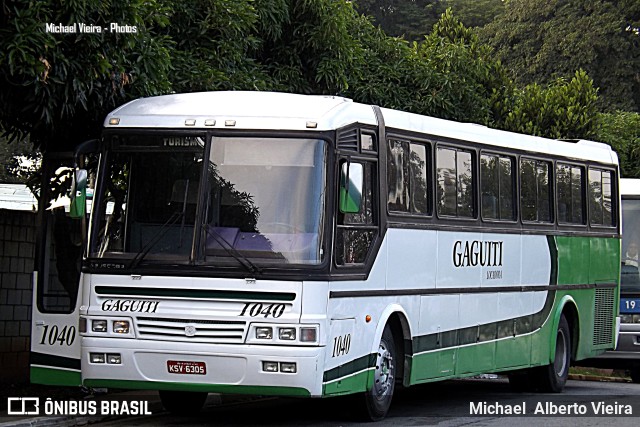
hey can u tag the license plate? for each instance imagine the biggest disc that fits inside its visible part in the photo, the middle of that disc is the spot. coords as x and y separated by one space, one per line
186 367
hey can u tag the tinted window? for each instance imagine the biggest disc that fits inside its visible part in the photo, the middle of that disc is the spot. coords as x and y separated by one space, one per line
535 190
570 190
455 183
497 187
407 177
356 231
600 208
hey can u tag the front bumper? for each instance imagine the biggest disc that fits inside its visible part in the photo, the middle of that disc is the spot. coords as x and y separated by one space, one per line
229 368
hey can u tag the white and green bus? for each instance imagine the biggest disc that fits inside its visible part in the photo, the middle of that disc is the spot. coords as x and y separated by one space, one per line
294 245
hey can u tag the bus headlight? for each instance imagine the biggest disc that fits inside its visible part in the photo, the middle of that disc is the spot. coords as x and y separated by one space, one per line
96 357
121 326
99 325
288 367
270 366
264 333
114 359
288 334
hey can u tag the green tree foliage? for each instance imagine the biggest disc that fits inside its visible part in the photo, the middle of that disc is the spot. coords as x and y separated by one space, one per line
17 162
475 13
622 131
214 41
309 46
448 75
563 109
541 40
58 87
410 19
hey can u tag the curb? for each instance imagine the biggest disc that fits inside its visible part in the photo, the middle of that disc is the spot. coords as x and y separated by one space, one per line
583 377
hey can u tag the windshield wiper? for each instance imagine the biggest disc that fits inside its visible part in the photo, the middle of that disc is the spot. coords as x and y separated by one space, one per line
228 248
156 238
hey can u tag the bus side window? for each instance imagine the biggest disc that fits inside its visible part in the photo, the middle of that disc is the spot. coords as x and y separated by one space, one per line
600 193
455 183
570 190
356 231
535 190
497 187
407 177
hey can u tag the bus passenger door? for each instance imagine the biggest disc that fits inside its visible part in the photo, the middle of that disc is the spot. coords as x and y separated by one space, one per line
55 342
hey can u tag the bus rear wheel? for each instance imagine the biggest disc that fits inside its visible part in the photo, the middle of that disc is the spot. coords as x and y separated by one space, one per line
377 400
553 377
182 402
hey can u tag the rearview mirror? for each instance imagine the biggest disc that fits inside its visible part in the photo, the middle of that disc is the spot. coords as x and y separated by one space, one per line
351 182
77 209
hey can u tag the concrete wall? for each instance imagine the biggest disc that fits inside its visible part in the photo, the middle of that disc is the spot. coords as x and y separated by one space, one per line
17 252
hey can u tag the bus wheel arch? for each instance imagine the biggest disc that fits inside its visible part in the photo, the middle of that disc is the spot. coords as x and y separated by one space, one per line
397 319
570 313
567 309
390 366
553 376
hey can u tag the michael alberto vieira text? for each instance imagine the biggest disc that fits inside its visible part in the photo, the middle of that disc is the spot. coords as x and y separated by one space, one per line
550 408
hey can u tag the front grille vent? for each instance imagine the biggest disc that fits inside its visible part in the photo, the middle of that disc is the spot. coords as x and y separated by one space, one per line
191 330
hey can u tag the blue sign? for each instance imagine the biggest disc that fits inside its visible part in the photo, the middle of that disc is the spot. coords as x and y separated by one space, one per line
629 305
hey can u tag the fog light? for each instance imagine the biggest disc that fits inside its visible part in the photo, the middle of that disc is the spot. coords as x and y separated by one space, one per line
99 325
96 357
287 334
121 326
264 333
288 368
270 366
114 359
308 334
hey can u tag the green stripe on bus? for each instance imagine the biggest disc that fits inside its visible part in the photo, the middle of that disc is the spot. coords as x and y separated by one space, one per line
353 384
209 388
194 293
52 376
350 368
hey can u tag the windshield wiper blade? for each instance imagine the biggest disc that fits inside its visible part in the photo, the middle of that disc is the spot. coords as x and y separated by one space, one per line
159 235
228 248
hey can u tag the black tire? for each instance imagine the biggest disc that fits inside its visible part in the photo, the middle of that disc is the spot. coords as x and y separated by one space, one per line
183 402
635 374
377 401
553 377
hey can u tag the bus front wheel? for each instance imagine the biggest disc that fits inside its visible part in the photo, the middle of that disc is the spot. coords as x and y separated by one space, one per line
377 399
182 402
553 377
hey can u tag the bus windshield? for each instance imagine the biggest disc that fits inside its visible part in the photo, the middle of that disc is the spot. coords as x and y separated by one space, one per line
258 200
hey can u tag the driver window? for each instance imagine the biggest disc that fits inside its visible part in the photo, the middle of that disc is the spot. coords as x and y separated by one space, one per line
356 231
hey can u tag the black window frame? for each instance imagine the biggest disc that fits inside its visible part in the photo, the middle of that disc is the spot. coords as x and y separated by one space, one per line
614 196
583 192
411 142
515 208
551 190
473 152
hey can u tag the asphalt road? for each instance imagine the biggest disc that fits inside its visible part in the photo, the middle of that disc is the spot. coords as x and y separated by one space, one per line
447 403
